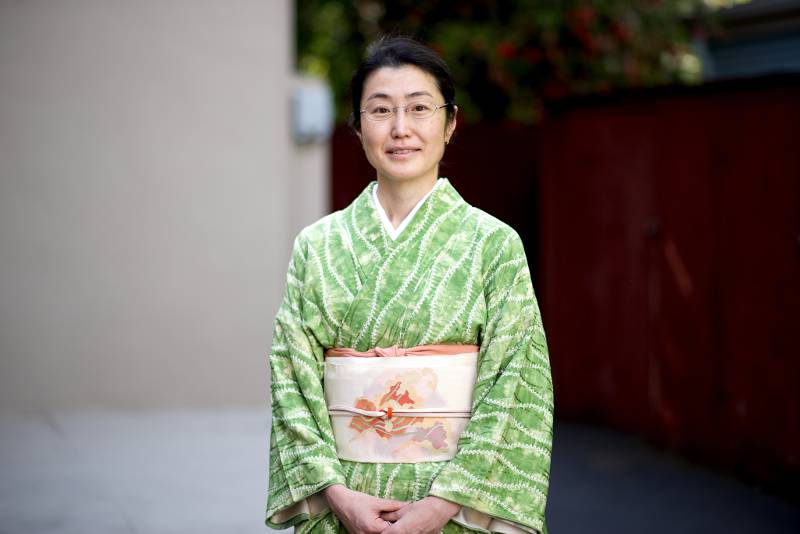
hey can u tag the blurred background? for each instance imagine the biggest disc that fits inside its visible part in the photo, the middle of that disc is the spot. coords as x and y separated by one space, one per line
158 157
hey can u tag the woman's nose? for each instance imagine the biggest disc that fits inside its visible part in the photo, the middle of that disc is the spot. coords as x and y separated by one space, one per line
400 123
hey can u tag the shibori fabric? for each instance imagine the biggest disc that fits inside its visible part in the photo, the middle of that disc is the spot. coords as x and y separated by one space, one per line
455 275
399 409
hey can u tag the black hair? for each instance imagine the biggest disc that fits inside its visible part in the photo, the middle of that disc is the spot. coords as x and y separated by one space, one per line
396 51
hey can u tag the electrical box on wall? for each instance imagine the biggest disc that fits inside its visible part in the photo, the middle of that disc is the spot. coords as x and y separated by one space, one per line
312 111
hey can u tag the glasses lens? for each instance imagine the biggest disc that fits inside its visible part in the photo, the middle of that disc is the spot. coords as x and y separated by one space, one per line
421 109
378 112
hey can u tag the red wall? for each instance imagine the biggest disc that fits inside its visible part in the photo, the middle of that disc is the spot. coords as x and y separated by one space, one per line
663 231
671 269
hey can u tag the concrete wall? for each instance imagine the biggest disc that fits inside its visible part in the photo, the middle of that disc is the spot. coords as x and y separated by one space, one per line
149 194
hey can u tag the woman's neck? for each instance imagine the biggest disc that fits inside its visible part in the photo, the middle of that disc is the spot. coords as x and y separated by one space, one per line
399 198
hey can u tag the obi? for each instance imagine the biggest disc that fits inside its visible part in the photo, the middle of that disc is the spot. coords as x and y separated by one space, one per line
399 405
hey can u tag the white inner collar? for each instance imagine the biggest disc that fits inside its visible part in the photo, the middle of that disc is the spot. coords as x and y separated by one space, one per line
387 224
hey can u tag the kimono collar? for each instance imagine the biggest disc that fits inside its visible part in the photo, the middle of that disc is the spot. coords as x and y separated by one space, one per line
391 230
365 224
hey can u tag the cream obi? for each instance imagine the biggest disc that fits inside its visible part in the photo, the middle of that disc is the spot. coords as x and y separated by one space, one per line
399 409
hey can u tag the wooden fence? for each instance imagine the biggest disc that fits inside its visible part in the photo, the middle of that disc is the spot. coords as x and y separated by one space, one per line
663 231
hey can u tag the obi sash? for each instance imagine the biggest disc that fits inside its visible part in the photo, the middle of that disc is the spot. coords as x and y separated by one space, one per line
399 405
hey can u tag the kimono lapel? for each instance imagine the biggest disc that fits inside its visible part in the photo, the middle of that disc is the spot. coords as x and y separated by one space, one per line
393 270
367 235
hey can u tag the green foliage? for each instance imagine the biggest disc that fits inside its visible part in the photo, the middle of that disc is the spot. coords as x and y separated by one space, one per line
509 57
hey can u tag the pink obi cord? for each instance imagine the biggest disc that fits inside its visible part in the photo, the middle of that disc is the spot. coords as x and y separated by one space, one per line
394 351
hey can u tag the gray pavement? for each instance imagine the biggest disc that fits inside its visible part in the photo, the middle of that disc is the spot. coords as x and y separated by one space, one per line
205 472
609 482
108 473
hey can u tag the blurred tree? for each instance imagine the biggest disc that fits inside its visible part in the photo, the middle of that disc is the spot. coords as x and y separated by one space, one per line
509 57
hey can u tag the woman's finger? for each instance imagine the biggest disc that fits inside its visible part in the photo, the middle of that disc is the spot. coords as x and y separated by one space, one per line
379 525
390 516
389 505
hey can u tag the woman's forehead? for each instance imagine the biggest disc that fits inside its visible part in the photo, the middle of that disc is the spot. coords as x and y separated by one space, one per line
406 81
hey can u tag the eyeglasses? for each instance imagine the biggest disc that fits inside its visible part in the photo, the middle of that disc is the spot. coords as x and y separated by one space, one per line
418 110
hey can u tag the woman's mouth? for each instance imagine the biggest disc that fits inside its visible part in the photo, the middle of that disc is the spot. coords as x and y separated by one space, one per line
401 152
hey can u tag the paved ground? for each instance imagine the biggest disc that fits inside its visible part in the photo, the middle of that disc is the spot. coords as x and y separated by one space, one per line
204 472
608 482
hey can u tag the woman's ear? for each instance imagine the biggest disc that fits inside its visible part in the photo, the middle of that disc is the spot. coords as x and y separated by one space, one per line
451 127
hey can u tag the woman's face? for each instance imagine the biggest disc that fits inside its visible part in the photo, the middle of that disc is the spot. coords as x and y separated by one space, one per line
403 148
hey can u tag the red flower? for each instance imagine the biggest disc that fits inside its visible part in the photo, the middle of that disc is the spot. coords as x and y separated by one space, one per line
395 395
582 16
620 31
362 422
585 38
385 427
507 49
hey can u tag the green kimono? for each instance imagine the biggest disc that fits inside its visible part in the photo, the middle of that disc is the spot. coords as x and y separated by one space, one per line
455 275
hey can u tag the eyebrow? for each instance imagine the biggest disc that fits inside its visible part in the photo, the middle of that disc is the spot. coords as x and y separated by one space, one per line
410 95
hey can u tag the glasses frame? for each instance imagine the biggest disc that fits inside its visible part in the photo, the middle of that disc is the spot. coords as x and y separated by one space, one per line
405 110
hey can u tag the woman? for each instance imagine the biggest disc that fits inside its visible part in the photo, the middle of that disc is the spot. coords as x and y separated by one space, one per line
389 443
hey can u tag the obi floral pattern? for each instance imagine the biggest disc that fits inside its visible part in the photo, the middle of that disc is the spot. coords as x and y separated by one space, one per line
398 437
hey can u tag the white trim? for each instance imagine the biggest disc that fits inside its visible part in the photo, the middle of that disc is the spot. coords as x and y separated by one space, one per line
393 232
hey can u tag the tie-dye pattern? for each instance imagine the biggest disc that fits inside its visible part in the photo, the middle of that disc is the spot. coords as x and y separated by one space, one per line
455 275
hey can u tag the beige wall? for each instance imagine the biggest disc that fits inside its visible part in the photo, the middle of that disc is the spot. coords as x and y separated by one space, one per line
148 198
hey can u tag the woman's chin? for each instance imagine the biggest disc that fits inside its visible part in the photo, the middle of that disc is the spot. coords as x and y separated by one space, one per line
405 173
403 177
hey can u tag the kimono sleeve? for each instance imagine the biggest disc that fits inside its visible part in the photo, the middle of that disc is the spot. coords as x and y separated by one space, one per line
302 457
500 474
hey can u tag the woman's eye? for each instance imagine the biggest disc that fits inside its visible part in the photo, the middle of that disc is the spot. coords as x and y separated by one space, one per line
420 108
380 110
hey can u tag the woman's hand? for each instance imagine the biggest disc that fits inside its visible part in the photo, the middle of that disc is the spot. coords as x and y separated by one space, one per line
427 516
360 513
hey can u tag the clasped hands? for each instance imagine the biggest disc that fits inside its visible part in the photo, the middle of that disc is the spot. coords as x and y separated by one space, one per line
364 514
